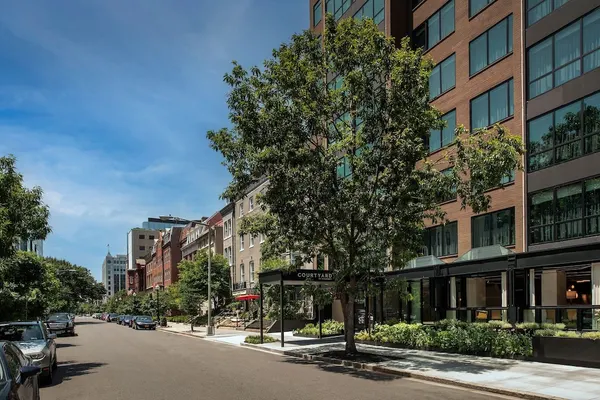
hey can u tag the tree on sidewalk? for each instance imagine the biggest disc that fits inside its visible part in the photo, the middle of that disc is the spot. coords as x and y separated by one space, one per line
340 127
23 215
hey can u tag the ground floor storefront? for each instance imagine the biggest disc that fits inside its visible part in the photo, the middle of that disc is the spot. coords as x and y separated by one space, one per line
551 286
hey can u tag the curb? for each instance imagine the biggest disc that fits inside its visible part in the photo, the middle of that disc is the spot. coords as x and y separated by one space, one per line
407 374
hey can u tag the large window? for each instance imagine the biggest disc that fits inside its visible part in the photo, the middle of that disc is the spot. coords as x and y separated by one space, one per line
337 7
538 9
439 138
436 28
477 5
317 13
565 212
443 77
491 45
493 106
494 228
564 134
572 51
372 9
442 240
449 192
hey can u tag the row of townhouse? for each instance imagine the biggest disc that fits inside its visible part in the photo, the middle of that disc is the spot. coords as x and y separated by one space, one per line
532 65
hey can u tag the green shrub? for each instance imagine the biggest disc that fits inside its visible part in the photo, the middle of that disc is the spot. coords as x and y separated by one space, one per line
179 318
329 327
568 334
499 325
255 339
545 332
554 327
528 326
591 335
363 335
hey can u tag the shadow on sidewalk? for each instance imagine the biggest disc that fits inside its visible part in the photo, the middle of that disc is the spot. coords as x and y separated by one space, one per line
68 369
339 369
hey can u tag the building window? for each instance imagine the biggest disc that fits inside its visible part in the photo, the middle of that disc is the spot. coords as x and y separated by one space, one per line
436 28
142 247
317 13
251 264
443 77
251 240
131 280
442 240
475 6
570 52
241 242
142 236
242 208
344 169
151 237
565 212
337 7
494 228
538 9
242 273
493 106
439 138
449 194
490 46
372 9
564 134
251 203
262 237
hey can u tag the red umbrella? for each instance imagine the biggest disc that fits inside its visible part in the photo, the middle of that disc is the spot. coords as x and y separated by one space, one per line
246 297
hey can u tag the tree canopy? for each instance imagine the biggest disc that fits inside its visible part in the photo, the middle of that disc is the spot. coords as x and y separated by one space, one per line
23 215
340 127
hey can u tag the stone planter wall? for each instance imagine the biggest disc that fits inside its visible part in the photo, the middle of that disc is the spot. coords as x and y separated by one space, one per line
568 351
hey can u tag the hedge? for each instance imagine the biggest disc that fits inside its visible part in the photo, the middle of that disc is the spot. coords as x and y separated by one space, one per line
329 327
255 339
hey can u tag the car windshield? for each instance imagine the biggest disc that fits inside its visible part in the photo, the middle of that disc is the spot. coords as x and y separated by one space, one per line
144 319
59 317
21 333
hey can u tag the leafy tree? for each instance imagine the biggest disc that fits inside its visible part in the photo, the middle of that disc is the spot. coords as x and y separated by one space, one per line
340 127
23 215
193 282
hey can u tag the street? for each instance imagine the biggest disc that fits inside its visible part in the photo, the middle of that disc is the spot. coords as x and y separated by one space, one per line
108 361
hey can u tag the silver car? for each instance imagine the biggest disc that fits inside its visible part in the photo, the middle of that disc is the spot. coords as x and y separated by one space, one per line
35 342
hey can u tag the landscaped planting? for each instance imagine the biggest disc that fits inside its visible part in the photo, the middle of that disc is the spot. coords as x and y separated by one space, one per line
328 328
255 339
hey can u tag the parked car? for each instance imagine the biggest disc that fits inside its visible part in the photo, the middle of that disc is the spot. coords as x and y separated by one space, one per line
127 320
34 340
132 321
60 323
144 322
18 377
123 318
112 317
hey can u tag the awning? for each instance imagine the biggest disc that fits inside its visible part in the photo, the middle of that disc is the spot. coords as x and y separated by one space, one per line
424 261
247 297
482 253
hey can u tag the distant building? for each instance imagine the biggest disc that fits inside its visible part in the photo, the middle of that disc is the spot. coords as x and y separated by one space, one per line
139 243
113 273
34 246
165 255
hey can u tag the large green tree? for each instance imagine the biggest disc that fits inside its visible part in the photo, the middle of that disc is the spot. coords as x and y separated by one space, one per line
23 215
339 124
193 282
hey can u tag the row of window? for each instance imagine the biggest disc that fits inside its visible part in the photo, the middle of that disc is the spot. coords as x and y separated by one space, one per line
372 9
252 239
243 272
436 28
495 105
564 134
250 205
538 9
150 237
565 212
486 230
565 55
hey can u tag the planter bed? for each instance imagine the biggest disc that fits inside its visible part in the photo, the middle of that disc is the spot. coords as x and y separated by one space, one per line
317 336
567 351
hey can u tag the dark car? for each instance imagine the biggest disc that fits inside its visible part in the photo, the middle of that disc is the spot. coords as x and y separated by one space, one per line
122 319
112 317
18 377
127 320
144 322
60 323
33 339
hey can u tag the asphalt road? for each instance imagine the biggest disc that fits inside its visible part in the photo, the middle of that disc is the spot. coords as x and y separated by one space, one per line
107 361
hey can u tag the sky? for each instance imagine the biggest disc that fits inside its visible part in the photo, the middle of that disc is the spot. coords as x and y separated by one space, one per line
106 105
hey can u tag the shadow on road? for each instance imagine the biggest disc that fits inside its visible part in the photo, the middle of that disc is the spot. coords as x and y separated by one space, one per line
63 345
68 369
339 369
77 323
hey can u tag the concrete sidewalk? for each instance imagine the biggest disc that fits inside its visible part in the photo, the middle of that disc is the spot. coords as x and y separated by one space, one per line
510 377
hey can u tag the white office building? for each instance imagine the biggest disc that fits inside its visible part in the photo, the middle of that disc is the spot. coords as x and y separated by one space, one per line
114 273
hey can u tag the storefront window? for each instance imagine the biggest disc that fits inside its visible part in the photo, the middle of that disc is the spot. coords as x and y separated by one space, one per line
415 308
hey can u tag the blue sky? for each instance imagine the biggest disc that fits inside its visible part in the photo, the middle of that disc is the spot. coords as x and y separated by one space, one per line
106 104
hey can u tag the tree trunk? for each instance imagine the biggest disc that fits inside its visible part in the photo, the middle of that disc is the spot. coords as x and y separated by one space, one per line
347 300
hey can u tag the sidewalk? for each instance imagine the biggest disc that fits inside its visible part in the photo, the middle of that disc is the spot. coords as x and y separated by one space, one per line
510 377
222 335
